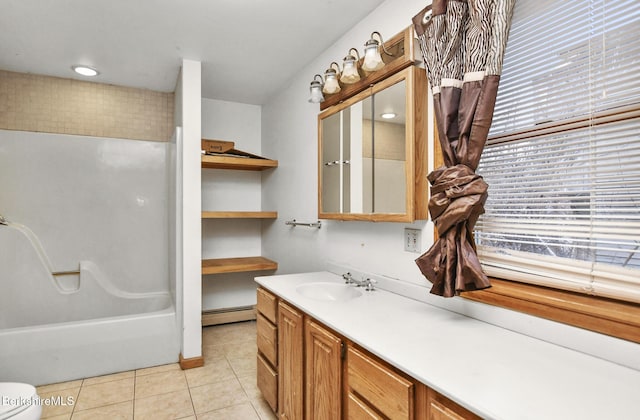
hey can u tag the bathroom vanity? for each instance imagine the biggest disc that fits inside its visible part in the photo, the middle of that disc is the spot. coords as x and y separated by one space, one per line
332 350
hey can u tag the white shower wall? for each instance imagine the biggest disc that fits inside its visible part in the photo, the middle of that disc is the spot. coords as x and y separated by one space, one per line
102 200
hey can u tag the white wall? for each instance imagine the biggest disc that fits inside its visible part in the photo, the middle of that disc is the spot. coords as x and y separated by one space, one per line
188 115
290 135
231 190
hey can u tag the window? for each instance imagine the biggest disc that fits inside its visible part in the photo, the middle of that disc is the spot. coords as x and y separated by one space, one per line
563 155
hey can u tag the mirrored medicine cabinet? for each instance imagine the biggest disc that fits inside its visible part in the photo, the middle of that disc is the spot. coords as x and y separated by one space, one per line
372 151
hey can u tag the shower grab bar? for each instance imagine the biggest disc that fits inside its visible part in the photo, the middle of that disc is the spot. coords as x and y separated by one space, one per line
42 255
65 273
294 223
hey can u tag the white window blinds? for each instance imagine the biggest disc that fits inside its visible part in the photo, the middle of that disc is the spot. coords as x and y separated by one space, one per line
563 156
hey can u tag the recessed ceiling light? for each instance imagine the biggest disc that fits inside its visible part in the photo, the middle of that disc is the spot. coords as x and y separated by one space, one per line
388 115
85 70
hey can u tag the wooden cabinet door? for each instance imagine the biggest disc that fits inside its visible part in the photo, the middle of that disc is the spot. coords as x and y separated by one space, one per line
360 410
290 362
440 407
323 384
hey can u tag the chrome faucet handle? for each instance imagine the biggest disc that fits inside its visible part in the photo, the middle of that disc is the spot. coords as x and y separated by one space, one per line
347 278
370 284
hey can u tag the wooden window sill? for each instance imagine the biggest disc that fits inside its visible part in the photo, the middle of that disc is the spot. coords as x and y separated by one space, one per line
606 316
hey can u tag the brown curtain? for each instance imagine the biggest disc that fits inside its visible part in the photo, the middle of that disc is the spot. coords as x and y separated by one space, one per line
462 43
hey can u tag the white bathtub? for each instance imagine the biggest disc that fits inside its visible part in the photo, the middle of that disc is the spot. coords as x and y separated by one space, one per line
59 328
72 350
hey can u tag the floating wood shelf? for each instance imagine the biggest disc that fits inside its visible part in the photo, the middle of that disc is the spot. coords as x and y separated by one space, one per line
239 214
237 265
240 163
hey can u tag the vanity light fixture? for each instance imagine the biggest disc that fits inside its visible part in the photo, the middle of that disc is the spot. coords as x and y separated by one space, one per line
350 68
331 84
388 115
315 89
372 58
85 70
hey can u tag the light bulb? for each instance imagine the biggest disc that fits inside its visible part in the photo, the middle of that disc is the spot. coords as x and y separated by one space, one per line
331 84
372 59
316 95
315 89
349 71
85 70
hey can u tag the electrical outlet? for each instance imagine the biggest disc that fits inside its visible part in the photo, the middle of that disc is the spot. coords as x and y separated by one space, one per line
412 240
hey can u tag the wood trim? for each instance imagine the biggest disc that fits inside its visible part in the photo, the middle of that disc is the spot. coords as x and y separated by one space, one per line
226 316
421 144
190 363
369 217
421 401
239 214
607 316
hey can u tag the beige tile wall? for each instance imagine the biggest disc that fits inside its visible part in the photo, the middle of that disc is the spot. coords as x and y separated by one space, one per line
30 102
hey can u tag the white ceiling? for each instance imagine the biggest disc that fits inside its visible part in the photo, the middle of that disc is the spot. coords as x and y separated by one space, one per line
248 48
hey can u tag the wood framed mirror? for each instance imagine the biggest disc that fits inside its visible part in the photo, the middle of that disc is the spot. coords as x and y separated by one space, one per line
372 152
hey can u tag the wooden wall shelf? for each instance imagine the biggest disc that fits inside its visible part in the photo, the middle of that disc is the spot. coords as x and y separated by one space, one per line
239 214
237 265
238 163
223 155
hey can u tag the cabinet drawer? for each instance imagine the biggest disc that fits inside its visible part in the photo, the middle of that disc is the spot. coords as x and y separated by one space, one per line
267 383
388 392
267 339
440 407
267 305
360 410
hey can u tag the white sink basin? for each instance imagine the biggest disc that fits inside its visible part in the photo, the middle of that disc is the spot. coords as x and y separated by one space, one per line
328 291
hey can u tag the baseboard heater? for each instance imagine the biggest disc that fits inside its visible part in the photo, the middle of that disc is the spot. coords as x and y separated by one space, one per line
228 315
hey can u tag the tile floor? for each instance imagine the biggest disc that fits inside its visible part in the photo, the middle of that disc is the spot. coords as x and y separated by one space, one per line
224 388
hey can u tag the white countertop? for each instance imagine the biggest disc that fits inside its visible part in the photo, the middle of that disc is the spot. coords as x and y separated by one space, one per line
496 373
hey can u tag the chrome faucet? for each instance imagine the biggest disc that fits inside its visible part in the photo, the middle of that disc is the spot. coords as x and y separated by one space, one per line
348 278
3 221
368 283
